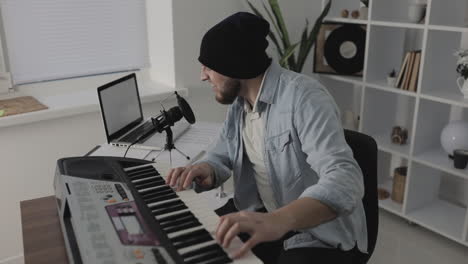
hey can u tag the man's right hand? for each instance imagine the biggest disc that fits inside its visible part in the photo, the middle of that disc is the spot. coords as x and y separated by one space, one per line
182 177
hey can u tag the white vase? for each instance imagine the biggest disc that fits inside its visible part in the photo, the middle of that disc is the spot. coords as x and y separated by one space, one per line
391 81
415 12
363 12
463 86
454 136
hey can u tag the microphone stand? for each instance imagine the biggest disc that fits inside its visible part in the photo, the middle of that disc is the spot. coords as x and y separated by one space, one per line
170 146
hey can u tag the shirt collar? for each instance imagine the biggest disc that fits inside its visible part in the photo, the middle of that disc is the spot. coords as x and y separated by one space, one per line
269 86
254 109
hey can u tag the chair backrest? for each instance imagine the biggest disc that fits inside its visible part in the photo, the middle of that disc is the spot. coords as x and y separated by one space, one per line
365 151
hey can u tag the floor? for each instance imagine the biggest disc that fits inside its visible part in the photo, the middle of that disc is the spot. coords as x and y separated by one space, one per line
400 243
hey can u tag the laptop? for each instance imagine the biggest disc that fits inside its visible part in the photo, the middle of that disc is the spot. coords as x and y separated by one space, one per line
123 117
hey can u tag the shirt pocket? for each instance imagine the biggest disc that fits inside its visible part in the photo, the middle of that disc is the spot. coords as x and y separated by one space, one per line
284 159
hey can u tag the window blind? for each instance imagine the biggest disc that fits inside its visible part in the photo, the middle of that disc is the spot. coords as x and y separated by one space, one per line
57 39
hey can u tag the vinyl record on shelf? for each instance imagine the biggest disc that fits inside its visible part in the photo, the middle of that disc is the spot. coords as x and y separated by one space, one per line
340 49
344 49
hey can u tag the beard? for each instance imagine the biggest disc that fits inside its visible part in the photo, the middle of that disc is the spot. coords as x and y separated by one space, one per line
229 92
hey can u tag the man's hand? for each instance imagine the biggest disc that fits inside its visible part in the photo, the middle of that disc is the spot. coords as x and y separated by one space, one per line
261 227
182 177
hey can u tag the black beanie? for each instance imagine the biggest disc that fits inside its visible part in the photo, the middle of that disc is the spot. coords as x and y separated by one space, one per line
235 47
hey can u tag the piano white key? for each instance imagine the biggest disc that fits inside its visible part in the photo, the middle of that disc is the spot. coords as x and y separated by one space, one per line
198 205
204 244
181 232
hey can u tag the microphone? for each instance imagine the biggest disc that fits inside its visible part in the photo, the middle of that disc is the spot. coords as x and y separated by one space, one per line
168 118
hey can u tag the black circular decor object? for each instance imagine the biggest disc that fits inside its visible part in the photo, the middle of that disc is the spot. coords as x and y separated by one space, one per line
344 49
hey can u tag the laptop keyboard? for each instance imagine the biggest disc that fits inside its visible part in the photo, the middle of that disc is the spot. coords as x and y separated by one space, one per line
132 136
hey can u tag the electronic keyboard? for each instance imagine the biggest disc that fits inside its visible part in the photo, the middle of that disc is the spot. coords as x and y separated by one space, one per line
119 210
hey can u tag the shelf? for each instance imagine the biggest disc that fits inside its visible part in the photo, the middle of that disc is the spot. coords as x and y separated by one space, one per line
384 143
448 28
342 78
388 204
439 160
382 85
346 20
453 97
397 24
441 216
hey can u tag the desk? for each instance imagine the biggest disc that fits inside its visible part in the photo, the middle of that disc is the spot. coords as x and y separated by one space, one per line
42 236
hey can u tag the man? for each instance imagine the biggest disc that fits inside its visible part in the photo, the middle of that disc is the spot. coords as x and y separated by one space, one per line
284 143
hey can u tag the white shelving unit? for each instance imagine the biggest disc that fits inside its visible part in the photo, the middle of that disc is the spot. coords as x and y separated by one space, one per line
436 193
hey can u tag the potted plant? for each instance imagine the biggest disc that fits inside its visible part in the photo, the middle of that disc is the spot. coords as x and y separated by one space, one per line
279 35
462 70
391 78
364 9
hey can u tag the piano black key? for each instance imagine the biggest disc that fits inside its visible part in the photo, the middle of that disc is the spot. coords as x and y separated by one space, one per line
158 193
149 192
166 205
179 222
161 198
144 168
175 217
169 210
153 183
205 257
193 241
182 227
183 222
149 179
183 237
199 251
153 191
141 171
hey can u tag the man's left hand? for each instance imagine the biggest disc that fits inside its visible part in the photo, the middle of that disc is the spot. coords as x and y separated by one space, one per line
261 227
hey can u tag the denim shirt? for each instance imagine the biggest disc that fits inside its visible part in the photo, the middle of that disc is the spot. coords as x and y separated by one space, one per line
305 155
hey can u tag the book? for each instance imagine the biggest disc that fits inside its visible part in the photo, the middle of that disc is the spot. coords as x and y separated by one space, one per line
415 72
404 65
408 71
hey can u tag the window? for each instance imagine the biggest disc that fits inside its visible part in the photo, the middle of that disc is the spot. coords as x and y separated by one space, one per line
57 39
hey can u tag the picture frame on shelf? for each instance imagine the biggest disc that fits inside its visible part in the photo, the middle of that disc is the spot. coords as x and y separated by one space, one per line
340 49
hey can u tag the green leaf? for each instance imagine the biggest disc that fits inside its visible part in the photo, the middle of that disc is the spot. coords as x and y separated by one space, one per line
280 21
303 42
312 36
284 31
271 18
273 38
271 34
287 54
255 10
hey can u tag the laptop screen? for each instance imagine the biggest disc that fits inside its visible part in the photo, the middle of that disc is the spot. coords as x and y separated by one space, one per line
120 106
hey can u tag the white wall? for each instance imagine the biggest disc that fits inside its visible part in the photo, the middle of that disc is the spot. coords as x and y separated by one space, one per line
161 40
193 18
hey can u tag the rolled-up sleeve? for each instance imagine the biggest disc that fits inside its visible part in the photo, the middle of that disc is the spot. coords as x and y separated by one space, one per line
218 158
340 185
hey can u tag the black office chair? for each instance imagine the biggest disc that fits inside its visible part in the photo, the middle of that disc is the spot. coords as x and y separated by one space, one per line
364 150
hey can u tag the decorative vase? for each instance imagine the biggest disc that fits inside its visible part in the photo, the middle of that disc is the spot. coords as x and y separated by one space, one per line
463 86
454 136
363 11
416 12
